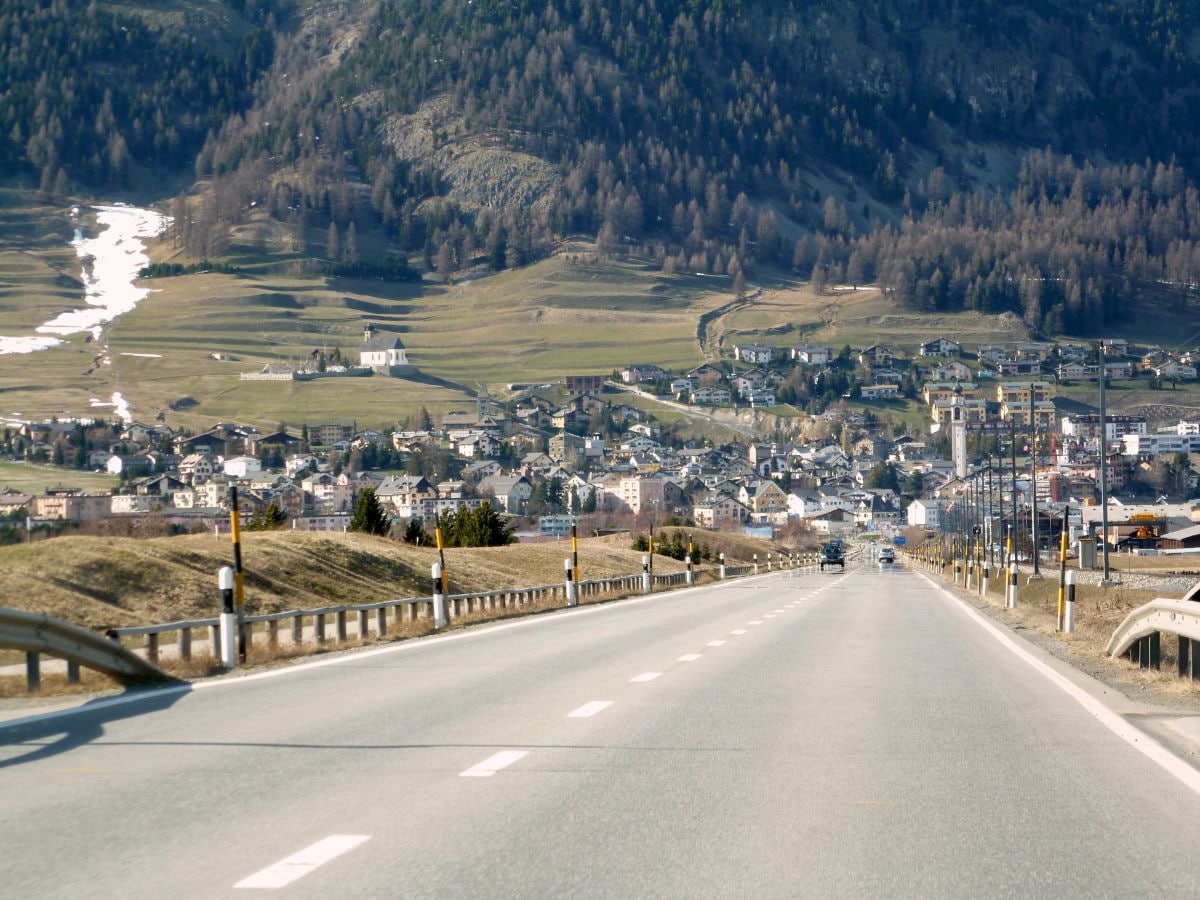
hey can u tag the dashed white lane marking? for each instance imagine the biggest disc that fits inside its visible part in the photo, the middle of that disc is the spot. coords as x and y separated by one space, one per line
738 631
646 676
769 616
716 643
300 864
689 657
757 622
589 709
494 764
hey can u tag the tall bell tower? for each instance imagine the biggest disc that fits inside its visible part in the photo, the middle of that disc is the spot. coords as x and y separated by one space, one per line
958 432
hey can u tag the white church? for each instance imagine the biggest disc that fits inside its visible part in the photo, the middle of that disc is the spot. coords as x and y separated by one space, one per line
384 353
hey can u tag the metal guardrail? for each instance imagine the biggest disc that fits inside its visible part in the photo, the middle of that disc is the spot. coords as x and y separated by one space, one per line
1140 635
370 617
36 634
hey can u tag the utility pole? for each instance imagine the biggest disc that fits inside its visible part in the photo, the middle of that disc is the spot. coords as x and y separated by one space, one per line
1105 580
1033 519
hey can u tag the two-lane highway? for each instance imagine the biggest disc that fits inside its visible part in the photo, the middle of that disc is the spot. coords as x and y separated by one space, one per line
792 734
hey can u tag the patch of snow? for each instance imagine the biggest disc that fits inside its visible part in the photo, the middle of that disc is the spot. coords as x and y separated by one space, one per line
111 261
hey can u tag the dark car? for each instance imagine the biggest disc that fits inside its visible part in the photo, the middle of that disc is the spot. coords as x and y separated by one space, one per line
832 555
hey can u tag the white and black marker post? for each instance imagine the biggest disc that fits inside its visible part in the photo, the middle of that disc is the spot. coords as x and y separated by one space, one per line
229 624
572 600
646 576
1012 585
440 619
721 558
1069 613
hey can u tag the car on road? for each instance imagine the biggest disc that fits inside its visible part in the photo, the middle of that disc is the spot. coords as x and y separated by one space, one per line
887 555
832 555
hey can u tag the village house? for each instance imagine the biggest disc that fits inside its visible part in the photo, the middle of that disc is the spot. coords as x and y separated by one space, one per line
813 354
720 511
879 391
634 374
941 346
756 354
510 493
951 371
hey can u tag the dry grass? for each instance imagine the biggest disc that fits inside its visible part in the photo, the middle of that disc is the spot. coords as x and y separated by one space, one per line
1098 613
100 583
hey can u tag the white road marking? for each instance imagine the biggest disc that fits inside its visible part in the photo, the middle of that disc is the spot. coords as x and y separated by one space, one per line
689 657
716 643
1136 738
494 764
646 676
757 622
589 709
769 616
300 864
738 631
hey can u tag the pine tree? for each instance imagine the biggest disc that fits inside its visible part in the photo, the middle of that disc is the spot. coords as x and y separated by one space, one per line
369 516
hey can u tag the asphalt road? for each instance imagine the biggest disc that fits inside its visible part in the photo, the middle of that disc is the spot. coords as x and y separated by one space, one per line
809 735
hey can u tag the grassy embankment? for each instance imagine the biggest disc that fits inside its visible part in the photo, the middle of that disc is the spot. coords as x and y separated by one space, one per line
101 583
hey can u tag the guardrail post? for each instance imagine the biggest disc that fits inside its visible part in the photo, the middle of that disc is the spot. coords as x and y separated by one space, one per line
572 598
440 618
1189 658
340 621
364 624
381 620
229 624
72 672
152 648
185 644
33 671
297 630
319 627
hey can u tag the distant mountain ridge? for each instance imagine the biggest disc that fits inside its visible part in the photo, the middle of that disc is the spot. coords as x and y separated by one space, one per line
714 136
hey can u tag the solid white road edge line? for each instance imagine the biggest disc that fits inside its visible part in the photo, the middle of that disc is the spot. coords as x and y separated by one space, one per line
589 709
300 864
1130 734
493 764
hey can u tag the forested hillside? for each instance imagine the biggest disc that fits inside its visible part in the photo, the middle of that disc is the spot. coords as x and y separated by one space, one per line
1032 156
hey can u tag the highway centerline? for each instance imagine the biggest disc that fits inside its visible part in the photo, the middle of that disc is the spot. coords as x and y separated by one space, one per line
284 872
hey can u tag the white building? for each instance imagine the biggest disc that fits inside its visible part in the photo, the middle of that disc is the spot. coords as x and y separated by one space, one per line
1155 444
242 466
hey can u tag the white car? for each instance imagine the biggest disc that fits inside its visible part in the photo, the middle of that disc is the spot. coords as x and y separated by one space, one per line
887 555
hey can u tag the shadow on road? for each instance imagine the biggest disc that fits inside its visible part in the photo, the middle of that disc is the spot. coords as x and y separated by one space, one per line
58 732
